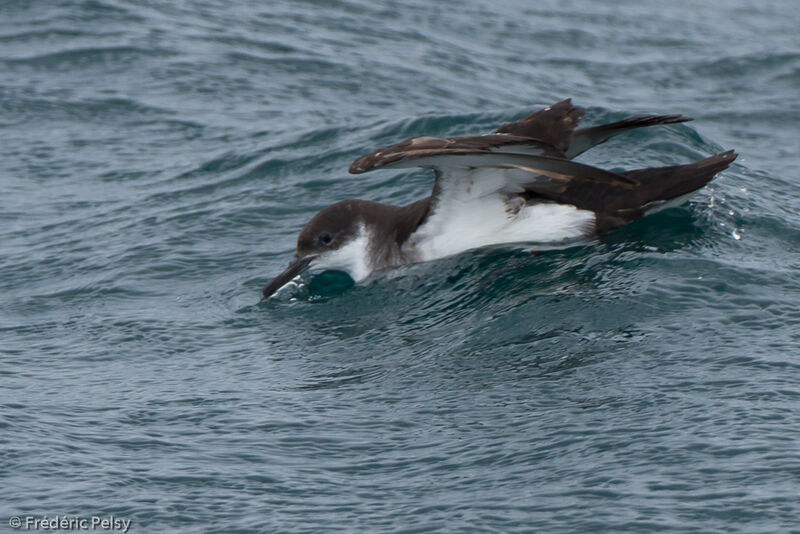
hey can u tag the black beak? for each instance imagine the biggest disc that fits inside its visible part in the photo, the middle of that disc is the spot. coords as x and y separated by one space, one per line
295 267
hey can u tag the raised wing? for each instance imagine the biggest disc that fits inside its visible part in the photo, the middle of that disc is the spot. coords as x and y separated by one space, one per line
526 156
448 159
419 146
586 138
546 132
552 125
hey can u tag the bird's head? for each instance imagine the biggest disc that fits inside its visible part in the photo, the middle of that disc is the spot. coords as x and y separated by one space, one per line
336 238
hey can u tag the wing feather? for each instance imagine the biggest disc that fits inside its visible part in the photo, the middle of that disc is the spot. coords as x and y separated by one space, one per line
586 138
444 159
552 125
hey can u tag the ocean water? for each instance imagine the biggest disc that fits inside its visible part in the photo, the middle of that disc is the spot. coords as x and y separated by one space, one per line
157 159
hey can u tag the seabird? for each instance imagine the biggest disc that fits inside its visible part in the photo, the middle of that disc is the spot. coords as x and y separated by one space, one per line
516 185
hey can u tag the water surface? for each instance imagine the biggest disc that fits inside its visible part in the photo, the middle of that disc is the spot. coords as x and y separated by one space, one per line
158 159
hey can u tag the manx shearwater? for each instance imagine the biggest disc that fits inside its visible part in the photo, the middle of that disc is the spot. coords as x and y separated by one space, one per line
516 185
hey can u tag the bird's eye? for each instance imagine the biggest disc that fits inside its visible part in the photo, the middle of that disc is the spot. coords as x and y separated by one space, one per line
326 238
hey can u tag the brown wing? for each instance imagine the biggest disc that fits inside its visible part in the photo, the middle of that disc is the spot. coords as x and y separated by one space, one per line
446 159
545 132
552 125
586 138
416 146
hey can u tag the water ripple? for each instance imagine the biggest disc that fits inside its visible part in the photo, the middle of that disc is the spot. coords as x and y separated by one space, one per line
160 157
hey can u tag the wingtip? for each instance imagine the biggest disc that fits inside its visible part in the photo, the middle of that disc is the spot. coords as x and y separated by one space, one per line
362 164
656 120
721 160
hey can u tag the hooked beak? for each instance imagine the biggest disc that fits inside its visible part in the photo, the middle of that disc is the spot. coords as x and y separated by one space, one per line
297 266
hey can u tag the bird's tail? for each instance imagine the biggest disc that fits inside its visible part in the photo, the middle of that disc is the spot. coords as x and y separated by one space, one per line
660 184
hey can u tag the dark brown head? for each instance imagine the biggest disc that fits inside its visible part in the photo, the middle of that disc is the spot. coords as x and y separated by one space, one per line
330 228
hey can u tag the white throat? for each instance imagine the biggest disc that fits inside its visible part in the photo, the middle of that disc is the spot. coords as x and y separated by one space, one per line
352 257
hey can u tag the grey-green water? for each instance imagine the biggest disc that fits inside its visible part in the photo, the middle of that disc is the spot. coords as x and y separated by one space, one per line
157 159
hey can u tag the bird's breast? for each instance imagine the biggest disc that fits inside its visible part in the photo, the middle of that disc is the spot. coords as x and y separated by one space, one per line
455 227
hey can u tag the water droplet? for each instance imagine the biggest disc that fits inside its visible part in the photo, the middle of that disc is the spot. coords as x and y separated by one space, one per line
736 235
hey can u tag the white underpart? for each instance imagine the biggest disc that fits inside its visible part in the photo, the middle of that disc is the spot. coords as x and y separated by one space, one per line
474 210
352 257
457 228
